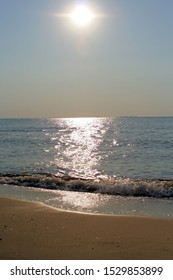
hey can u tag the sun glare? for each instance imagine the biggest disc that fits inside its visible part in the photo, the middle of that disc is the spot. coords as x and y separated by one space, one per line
82 16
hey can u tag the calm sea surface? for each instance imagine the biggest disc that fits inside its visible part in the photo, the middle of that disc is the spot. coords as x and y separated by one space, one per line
103 165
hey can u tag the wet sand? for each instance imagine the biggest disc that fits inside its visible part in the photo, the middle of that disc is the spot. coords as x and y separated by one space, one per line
34 231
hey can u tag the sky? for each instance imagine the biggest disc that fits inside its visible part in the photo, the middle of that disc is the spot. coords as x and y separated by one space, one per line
120 65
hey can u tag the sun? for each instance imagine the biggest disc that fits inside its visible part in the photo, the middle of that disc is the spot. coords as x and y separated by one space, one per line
82 16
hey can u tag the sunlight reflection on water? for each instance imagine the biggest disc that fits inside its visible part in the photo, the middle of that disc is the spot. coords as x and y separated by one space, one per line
92 203
80 201
77 149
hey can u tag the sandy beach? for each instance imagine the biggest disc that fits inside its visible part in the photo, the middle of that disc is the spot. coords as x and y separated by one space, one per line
34 231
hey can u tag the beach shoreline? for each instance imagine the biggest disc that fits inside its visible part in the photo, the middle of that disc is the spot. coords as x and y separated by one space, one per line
33 231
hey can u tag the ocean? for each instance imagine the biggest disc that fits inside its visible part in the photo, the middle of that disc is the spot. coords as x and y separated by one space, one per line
116 166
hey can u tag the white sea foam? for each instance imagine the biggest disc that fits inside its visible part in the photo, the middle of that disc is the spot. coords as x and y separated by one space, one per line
112 186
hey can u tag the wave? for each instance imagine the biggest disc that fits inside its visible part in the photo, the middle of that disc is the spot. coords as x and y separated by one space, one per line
156 188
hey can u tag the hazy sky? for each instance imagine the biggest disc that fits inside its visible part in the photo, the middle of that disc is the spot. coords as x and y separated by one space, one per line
122 64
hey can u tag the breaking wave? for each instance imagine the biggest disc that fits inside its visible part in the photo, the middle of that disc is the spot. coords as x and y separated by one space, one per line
158 188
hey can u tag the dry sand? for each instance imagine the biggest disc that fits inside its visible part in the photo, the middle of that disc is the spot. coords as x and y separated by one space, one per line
34 231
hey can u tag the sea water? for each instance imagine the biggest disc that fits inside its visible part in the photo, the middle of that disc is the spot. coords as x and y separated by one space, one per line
120 166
